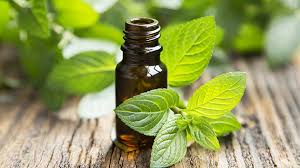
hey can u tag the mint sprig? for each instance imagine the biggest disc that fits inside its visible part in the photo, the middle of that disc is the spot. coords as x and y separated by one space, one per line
205 117
161 113
33 18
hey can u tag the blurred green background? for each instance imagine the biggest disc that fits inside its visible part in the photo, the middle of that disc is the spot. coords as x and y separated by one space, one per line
36 35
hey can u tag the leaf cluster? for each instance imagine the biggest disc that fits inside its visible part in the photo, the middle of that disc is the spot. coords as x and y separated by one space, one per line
39 28
161 113
250 26
206 116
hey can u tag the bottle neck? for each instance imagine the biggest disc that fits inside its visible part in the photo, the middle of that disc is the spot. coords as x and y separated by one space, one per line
141 44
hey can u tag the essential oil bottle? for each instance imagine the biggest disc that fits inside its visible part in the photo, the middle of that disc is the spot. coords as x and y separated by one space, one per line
140 70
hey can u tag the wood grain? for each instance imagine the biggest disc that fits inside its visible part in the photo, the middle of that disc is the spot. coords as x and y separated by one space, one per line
269 112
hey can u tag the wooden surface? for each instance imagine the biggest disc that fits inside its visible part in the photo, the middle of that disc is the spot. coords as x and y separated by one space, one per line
270 115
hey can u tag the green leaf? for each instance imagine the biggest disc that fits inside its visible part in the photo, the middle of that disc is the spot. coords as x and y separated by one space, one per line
225 124
203 134
187 49
37 58
249 39
229 15
102 31
34 20
115 16
169 145
134 8
187 10
8 29
75 13
4 15
182 123
281 44
218 96
147 112
52 98
83 73
219 35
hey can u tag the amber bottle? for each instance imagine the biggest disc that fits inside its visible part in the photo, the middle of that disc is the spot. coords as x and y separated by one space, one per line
140 70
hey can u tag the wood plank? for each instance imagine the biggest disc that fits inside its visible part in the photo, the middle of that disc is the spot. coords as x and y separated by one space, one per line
266 141
269 112
12 112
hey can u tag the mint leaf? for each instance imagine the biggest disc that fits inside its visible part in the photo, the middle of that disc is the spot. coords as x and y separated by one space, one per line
225 124
218 96
249 38
83 73
182 123
75 13
169 145
52 98
229 15
147 112
4 15
219 35
187 50
203 134
35 62
34 20
102 31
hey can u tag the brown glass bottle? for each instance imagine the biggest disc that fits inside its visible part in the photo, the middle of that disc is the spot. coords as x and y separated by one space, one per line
140 70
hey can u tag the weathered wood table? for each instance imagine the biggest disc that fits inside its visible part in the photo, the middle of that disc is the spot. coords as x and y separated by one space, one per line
270 137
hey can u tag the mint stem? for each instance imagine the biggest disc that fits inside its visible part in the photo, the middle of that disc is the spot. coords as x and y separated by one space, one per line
176 110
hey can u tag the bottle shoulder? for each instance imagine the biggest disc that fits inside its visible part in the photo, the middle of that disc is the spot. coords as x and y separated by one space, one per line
140 71
124 67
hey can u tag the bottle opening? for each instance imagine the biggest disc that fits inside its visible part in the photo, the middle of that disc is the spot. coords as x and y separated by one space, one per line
141 25
142 21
